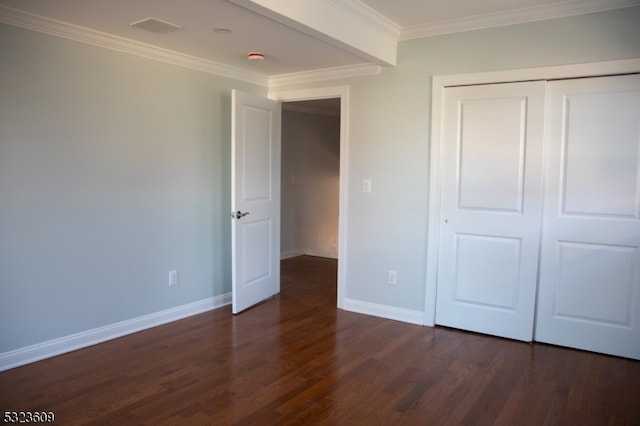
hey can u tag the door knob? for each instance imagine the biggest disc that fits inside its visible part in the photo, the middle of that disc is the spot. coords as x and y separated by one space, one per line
239 214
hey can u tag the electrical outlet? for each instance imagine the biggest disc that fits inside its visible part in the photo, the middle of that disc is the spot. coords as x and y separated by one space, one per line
392 277
173 278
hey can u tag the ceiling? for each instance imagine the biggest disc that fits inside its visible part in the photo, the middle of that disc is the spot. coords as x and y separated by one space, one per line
411 13
288 48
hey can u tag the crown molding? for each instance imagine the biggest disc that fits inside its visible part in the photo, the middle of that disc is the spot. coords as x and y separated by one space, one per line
340 23
56 28
334 73
526 14
369 16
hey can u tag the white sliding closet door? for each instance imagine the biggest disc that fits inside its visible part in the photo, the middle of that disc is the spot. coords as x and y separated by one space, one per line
589 289
491 208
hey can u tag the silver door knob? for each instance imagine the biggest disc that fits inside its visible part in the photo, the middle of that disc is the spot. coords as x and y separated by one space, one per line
239 214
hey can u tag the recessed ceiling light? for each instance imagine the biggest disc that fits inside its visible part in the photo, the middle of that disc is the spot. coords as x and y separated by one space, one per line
222 30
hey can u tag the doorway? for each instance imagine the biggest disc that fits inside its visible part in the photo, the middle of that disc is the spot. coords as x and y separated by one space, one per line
310 179
342 94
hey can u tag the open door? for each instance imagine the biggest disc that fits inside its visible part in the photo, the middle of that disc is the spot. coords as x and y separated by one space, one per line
255 199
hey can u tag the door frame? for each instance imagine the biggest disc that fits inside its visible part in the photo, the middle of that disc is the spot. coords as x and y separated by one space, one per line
439 84
341 92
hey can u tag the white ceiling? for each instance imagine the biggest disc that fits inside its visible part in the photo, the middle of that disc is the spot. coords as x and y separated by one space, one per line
287 50
410 13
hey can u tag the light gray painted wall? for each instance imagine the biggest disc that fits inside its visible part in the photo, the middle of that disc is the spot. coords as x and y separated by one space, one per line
310 183
114 169
389 138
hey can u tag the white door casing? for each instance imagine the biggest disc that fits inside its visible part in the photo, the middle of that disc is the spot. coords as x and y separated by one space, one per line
440 84
255 193
341 92
490 208
589 290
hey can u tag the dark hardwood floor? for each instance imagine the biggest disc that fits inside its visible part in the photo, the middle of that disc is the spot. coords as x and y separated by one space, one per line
296 359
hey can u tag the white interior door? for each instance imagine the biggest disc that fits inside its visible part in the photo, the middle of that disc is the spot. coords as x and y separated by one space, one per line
491 208
589 291
255 193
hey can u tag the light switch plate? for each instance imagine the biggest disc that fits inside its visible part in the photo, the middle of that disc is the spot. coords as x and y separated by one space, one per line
173 278
366 186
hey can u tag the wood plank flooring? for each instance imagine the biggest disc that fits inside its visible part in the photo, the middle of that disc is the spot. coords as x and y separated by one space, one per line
297 360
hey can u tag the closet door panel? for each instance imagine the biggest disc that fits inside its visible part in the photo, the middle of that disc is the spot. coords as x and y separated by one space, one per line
589 290
491 208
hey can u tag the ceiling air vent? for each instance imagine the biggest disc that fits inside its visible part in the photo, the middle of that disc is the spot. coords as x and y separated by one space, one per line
154 25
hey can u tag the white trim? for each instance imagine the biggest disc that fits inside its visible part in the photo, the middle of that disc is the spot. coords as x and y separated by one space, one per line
359 11
517 16
369 16
433 225
333 22
308 252
383 311
439 83
334 73
83 339
291 253
341 92
590 69
56 28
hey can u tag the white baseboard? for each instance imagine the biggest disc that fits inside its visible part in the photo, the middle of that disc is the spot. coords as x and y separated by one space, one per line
83 339
291 253
383 311
40 351
308 252
324 254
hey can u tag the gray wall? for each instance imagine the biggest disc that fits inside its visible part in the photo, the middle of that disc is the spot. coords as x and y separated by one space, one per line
390 127
310 184
114 169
